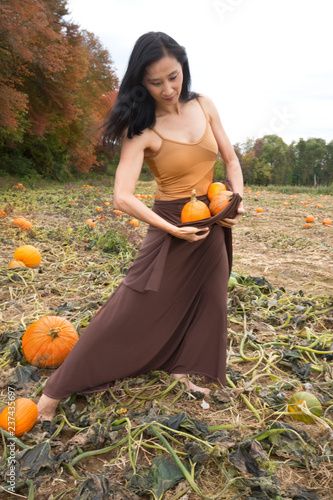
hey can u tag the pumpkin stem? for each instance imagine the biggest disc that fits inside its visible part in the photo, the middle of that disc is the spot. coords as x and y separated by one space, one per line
193 196
54 332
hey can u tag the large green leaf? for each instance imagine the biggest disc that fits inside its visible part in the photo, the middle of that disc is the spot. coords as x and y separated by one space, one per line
161 476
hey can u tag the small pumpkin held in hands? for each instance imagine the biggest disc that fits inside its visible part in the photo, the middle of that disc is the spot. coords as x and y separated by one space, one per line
301 400
19 417
220 201
48 341
214 188
194 210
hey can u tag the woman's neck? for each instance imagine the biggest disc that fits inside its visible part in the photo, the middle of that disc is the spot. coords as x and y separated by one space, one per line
174 109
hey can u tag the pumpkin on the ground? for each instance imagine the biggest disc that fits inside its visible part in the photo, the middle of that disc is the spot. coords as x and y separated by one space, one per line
19 186
29 255
91 223
48 341
327 222
22 223
16 263
301 400
214 188
24 412
309 218
194 210
220 201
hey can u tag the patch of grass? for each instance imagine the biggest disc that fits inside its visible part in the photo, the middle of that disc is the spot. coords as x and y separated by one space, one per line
298 189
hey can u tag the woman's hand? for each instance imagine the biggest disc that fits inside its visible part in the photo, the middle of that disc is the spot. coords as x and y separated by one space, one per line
190 233
231 222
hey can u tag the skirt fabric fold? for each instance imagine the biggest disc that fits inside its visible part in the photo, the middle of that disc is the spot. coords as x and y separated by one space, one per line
169 313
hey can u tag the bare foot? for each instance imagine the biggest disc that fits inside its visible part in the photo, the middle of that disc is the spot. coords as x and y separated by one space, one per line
189 385
46 408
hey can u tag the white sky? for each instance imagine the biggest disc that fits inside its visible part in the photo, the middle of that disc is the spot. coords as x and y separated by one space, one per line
267 64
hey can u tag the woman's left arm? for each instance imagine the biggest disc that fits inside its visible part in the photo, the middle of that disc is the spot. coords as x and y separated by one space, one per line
234 171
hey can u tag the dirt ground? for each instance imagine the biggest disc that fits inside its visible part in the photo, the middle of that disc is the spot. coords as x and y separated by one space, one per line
275 243
76 277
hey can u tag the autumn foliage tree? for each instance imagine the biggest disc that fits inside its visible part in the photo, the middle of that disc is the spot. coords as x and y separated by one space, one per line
54 83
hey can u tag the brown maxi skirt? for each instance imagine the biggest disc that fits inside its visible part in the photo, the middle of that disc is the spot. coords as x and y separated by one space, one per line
169 313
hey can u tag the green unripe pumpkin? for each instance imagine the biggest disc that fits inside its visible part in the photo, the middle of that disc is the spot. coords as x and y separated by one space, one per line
313 404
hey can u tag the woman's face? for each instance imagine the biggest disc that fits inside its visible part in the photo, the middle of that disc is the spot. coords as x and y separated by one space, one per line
164 79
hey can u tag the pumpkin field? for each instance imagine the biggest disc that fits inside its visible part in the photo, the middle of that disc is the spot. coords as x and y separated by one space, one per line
267 435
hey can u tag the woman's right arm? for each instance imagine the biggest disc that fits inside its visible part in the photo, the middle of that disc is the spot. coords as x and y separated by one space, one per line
127 174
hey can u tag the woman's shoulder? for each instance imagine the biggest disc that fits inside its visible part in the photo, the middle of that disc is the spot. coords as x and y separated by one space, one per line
208 104
140 142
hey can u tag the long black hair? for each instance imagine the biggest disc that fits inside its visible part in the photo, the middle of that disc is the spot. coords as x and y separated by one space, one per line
134 108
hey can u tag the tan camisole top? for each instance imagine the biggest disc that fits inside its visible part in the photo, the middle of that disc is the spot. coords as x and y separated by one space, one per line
179 167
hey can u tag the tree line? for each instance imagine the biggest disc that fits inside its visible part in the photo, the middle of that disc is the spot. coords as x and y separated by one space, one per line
57 84
269 160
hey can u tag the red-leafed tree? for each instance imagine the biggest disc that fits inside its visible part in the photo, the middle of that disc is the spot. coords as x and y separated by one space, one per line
53 82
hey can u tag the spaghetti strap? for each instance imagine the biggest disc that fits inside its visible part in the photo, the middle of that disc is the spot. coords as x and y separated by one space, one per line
160 135
203 109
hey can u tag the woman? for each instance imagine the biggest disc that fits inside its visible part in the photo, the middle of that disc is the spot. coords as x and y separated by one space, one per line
169 313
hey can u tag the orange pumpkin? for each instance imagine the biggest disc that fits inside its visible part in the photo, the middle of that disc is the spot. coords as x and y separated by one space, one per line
29 255
48 341
22 223
194 210
19 186
215 188
2 213
24 412
259 210
220 201
309 218
16 263
307 226
327 222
